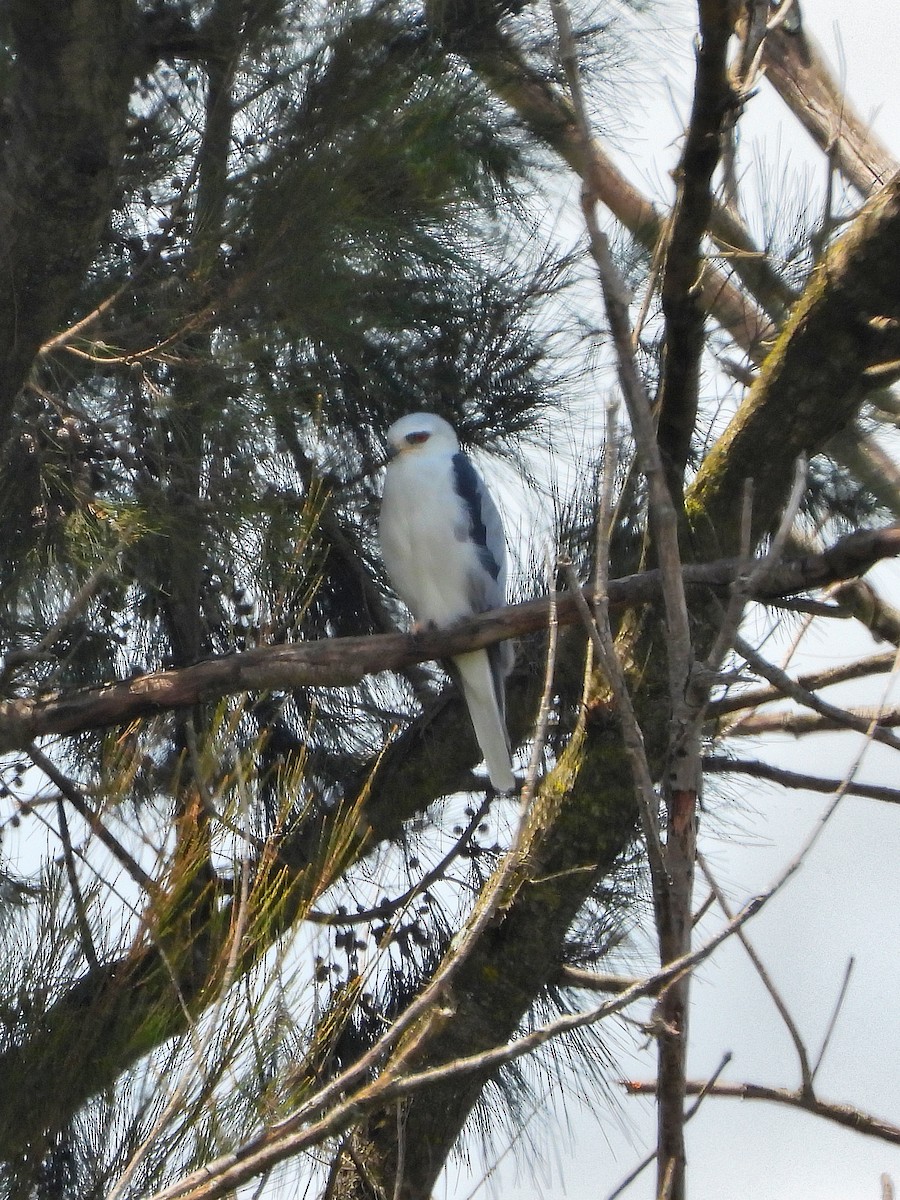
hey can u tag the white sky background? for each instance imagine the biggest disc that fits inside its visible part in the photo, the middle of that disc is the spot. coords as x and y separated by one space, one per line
845 900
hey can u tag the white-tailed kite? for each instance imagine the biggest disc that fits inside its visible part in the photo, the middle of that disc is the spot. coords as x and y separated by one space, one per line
443 546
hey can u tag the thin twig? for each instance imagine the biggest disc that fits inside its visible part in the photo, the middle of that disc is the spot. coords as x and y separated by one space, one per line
842 1114
874 664
632 735
806 1072
838 1005
74 797
744 586
690 1112
605 516
808 699
160 241
84 928
798 724
391 907
594 981
545 708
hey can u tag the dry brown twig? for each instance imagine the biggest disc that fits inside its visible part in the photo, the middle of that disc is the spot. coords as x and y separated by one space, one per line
806 1070
842 717
68 789
722 765
753 698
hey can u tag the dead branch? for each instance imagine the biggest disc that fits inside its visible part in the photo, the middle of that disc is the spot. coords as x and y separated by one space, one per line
645 1162
799 724
844 718
798 70
840 1114
721 765
806 1070
875 664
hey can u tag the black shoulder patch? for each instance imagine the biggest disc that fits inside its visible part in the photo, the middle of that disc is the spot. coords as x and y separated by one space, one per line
469 489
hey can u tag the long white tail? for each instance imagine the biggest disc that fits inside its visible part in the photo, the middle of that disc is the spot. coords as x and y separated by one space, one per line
477 681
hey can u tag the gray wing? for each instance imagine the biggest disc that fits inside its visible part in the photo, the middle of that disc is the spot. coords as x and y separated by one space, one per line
485 531
488 584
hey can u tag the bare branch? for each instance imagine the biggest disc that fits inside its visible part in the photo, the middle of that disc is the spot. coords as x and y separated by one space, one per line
546 705
642 1166
844 718
663 515
806 1071
840 1114
838 1005
721 765
752 698
632 736
800 724
798 70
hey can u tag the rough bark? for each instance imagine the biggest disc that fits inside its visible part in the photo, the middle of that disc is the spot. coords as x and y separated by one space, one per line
797 69
66 110
812 383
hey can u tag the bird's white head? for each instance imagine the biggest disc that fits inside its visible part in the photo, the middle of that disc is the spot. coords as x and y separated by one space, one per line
421 431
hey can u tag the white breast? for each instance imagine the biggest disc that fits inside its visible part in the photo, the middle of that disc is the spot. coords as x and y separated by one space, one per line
424 539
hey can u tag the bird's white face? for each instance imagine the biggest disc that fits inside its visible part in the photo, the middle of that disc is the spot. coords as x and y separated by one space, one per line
419 431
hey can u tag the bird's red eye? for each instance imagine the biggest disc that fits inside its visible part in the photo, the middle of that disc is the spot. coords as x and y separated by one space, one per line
415 439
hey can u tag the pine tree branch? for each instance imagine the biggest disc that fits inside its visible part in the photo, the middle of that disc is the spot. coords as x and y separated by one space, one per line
341 662
799 724
752 698
842 717
798 70
813 381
